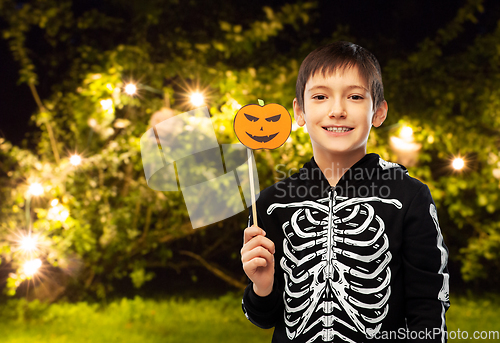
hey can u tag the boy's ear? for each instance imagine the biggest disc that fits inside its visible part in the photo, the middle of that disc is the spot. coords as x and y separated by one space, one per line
380 114
298 113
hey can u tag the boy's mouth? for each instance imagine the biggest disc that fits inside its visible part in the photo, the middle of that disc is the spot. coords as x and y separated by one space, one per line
339 129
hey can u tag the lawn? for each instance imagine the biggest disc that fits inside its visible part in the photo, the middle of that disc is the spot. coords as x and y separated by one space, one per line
131 321
181 321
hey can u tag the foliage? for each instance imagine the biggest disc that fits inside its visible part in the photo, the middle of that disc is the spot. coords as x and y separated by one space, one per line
452 102
117 227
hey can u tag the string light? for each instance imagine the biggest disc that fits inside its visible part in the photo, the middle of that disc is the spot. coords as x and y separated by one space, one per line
406 133
458 163
405 147
130 89
30 268
197 99
35 189
75 160
28 244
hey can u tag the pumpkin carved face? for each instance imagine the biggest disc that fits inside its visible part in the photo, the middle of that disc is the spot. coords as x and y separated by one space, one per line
262 127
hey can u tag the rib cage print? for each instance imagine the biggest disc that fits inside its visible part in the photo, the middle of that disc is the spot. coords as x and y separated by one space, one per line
335 262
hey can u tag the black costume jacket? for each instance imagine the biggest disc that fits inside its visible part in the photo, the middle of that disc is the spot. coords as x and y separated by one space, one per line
359 262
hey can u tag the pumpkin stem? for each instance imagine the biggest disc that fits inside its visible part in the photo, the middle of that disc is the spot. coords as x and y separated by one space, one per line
261 102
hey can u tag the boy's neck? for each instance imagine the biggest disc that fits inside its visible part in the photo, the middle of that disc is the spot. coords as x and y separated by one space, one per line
334 166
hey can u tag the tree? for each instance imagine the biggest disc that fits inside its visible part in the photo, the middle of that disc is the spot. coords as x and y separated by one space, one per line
107 224
101 215
448 91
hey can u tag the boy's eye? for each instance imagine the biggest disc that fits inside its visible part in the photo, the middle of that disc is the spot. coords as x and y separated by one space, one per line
251 118
319 97
356 97
274 118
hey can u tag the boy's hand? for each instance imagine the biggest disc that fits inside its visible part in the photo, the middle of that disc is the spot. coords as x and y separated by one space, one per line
257 256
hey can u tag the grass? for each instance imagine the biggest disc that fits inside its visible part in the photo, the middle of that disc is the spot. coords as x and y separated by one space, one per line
132 321
472 315
181 321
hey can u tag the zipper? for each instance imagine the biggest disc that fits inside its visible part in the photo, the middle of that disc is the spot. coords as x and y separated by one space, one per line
329 255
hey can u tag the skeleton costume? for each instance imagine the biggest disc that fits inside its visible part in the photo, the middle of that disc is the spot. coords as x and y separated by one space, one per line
353 262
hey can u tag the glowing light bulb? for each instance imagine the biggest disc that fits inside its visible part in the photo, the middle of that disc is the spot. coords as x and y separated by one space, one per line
28 243
406 133
130 89
30 268
36 189
458 163
75 160
197 99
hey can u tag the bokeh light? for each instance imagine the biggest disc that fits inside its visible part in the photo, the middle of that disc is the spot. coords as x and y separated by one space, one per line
30 268
197 99
106 104
130 89
406 133
63 215
35 189
28 243
75 160
458 163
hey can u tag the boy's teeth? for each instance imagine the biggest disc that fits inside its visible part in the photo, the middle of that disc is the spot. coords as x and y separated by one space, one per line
338 129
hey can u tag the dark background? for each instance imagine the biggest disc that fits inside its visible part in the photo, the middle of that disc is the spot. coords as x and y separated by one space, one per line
394 27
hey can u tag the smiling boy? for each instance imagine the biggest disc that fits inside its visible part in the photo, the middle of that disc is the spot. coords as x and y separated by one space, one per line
349 249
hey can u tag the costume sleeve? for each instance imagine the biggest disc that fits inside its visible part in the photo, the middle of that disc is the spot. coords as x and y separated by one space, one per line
261 311
426 277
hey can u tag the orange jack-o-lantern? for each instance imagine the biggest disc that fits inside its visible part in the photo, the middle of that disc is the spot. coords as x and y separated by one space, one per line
262 126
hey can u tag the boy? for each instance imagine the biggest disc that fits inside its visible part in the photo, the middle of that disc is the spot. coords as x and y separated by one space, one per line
350 248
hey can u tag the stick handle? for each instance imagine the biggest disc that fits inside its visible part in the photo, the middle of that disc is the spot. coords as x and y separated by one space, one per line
252 187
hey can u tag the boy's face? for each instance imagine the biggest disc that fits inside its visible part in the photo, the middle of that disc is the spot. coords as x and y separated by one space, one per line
338 113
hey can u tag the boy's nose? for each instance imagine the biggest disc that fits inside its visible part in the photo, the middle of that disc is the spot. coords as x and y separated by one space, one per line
337 109
338 113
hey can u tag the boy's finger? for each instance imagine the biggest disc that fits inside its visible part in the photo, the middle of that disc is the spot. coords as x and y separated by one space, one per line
252 231
254 263
257 253
259 241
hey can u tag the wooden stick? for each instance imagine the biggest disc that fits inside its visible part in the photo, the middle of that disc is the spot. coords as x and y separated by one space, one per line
252 187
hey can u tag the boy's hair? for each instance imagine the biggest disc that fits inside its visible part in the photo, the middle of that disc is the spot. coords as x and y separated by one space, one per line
338 56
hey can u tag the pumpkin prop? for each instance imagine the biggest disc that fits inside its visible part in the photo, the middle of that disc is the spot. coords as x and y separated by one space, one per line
261 127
